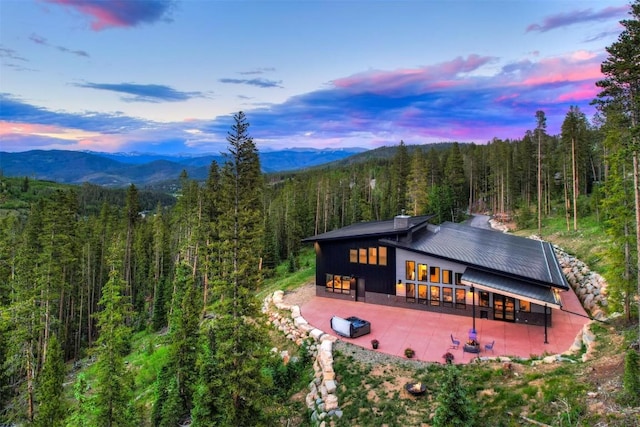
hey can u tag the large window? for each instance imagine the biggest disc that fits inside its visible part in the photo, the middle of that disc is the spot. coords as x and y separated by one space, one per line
373 256
461 301
434 295
422 293
447 297
459 279
483 299
382 255
411 292
422 272
434 273
338 284
362 255
446 277
410 267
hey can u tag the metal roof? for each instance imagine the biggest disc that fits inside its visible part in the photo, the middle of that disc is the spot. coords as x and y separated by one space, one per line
372 229
491 251
506 286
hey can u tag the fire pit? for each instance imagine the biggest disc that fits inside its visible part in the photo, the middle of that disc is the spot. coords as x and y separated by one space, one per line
472 346
416 389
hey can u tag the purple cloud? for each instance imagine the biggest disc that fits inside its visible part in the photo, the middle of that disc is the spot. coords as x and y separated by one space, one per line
578 16
122 13
42 41
144 93
257 71
11 54
263 83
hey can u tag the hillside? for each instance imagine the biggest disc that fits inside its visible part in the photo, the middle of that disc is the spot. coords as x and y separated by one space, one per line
146 170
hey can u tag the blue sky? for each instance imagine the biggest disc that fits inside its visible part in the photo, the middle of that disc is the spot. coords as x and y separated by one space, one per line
166 76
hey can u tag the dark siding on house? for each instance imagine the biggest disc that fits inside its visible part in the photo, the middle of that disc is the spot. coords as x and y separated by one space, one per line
333 258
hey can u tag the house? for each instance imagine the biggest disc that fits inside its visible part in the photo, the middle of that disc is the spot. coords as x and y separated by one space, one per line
449 268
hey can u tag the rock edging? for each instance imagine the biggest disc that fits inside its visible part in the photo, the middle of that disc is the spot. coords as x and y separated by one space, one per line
321 399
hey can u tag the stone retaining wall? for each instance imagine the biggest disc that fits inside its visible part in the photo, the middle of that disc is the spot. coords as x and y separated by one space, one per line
321 399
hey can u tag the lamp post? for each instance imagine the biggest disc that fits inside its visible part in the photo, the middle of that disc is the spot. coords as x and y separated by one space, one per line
473 302
545 325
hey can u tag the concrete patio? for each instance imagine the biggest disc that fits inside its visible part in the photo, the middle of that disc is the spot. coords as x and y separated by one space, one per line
428 333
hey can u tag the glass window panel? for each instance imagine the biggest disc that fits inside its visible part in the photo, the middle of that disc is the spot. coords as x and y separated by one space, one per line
353 255
447 294
382 255
373 256
411 292
525 306
346 284
329 280
446 277
483 299
458 278
363 255
434 295
434 272
410 273
460 298
422 292
422 272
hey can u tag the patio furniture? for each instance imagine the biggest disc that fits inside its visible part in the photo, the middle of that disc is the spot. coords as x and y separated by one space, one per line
490 346
454 342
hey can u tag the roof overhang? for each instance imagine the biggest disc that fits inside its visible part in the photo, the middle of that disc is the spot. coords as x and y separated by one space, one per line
541 295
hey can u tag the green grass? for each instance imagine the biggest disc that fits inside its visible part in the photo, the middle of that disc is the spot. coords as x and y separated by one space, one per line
589 243
284 280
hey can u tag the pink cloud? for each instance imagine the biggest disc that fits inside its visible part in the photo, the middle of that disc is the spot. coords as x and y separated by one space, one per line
578 16
584 92
118 13
443 75
578 66
15 134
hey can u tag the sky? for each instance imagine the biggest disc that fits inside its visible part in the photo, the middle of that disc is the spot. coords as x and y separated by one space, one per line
167 76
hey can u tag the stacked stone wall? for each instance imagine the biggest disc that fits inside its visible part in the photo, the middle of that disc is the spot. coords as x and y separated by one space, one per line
321 400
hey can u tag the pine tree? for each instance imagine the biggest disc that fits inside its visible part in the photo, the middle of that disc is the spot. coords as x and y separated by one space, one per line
399 177
541 125
49 391
621 94
114 384
574 135
177 382
211 380
454 407
82 413
241 347
631 379
455 179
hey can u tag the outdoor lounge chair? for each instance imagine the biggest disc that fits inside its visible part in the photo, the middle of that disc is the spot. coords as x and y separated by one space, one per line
490 346
454 342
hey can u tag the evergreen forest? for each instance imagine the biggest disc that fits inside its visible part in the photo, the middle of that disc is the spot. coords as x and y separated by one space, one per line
90 276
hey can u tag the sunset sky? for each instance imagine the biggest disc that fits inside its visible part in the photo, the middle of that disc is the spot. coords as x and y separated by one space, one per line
163 76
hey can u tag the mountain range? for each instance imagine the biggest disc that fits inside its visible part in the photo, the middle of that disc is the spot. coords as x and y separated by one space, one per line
146 169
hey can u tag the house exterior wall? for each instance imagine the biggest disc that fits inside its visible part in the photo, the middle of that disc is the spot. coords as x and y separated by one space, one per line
382 282
333 258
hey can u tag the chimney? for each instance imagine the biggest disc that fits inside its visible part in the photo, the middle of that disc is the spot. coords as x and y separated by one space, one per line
401 222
